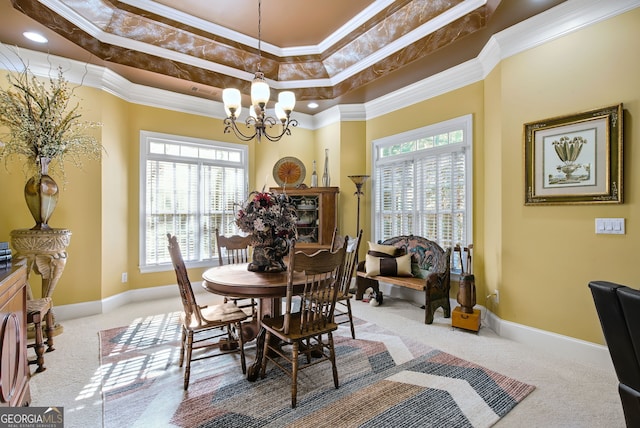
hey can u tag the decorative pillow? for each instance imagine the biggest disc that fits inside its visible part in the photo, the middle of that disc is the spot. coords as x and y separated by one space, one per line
379 250
418 272
388 266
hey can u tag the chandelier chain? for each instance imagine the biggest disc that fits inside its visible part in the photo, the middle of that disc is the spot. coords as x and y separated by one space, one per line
259 34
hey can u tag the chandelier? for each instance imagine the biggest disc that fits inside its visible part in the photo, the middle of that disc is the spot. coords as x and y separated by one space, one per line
258 123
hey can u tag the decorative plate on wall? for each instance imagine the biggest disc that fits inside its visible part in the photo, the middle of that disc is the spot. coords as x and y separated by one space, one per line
289 171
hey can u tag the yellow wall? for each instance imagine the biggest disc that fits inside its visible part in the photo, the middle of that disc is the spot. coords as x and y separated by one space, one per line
541 258
550 253
488 230
299 145
114 209
353 161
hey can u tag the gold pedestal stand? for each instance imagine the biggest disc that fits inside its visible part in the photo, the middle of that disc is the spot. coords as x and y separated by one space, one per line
44 252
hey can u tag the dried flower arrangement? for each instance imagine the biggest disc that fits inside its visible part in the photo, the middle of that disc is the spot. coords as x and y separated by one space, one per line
267 216
43 125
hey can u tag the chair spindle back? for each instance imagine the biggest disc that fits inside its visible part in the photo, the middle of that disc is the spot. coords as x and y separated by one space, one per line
350 258
233 249
323 272
184 284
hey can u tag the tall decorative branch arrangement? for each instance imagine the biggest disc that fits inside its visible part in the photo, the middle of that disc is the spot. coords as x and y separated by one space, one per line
42 125
43 122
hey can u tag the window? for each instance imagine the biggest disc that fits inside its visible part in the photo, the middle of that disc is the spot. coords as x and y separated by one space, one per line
422 184
188 187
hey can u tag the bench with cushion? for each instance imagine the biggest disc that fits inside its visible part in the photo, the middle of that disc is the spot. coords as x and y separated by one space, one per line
409 261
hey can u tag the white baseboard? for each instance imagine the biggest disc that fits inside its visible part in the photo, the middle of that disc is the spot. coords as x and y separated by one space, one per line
577 350
97 307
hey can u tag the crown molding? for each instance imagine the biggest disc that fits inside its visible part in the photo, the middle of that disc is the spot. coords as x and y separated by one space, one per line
339 113
559 21
554 23
44 65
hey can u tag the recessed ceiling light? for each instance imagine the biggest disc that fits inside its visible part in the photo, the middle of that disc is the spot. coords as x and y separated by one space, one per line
36 37
312 105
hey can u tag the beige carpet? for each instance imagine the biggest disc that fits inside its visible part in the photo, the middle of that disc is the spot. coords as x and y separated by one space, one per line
566 395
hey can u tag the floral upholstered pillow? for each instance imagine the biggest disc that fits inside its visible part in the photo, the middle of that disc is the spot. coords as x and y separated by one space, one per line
418 272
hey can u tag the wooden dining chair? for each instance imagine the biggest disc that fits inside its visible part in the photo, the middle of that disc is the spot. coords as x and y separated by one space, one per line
204 326
343 314
304 330
235 249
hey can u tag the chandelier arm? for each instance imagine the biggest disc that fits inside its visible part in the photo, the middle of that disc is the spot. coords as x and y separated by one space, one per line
230 125
286 130
268 120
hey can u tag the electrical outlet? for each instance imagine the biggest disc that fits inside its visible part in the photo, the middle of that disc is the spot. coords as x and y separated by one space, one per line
497 294
124 277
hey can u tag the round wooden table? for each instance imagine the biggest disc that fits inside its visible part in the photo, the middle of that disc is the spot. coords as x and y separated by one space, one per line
269 288
236 280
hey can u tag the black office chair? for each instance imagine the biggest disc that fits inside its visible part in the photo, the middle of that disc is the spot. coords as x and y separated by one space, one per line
618 308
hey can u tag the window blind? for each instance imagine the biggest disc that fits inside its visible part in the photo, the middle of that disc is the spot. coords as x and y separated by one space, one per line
190 187
421 184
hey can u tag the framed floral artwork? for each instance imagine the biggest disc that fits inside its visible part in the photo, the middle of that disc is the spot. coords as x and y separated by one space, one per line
575 159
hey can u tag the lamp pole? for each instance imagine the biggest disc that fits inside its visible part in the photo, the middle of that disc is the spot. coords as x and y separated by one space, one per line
359 181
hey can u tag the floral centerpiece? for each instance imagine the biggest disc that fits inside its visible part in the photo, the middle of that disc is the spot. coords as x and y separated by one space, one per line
42 125
271 220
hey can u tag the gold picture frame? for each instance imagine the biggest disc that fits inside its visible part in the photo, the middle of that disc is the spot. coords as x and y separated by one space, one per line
575 159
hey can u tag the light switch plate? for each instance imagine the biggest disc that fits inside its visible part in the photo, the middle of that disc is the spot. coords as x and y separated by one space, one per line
613 226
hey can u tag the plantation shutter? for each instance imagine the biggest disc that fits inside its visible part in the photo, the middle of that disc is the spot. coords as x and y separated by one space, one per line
421 183
443 197
395 198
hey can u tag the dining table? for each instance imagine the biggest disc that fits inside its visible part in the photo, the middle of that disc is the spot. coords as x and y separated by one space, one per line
268 288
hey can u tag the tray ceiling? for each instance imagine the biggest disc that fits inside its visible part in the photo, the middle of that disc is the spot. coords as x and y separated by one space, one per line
330 52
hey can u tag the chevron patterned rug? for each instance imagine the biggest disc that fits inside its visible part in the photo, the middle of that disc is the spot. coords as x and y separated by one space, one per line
385 381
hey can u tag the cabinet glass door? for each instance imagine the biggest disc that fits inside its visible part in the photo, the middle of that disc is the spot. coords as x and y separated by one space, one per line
307 224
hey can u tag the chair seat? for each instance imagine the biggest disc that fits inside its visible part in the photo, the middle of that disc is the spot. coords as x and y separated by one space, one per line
38 306
344 296
216 315
274 325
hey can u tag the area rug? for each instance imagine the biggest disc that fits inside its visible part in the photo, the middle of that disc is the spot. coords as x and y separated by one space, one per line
386 380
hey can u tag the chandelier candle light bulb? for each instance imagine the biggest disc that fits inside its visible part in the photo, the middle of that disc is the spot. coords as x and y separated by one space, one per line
260 92
231 99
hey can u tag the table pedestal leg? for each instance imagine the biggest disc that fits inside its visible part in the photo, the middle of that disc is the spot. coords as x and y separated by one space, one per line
266 308
253 371
250 329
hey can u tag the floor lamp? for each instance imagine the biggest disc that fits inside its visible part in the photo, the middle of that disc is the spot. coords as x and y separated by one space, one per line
359 181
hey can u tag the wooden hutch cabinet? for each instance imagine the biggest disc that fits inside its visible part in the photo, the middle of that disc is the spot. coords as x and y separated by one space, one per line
14 369
317 209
